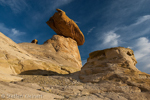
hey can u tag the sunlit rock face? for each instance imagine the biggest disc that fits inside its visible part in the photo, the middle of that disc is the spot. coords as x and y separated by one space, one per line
59 55
65 26
116 65
67 48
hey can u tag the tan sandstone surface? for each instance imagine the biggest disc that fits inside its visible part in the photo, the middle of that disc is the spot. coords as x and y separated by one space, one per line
65 26
30 58
109 74
58 50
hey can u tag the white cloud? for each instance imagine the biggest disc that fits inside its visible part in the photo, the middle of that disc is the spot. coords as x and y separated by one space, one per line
142 19
11 32
129 47
16 5
135 30
90 30
132 36
141 50
15 32
126 33
110 39
119 10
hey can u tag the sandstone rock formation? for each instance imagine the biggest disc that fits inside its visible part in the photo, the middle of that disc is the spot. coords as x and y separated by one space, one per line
10 57
115 65
109 74
34 41
65 26
66 48
58 50
30 58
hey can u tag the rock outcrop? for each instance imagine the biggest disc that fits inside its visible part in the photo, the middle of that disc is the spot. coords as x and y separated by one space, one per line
115 65
10 57
30 58
58 50
109 74
34 41
65 26
67 48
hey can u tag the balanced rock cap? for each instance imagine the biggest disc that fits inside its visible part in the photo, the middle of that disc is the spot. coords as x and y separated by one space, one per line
35 41
65 26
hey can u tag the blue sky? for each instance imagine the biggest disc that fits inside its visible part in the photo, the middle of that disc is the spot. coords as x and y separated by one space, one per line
104 23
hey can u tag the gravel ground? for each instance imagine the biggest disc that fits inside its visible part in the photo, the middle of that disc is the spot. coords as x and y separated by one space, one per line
61 80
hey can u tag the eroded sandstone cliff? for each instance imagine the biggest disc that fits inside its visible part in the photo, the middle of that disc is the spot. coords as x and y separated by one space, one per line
115 65
55 57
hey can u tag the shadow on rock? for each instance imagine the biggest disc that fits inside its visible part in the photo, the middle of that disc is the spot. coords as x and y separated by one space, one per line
39 72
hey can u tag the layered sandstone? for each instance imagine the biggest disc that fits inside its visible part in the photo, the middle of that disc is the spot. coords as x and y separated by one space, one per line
67 48
30 58
115 65
65 26
58 50
109 74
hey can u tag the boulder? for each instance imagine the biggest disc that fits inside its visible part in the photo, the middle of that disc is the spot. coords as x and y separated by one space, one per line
115 65
65 26
34 41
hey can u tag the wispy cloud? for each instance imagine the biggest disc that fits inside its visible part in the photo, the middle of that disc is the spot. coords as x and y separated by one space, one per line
90 30
14 31
16 5
58 3
132 36
11 32
121 12
135 30
109 39
48 8
142 19
77 22
141 49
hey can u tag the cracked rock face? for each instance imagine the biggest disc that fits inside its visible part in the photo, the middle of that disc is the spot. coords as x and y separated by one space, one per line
65 26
